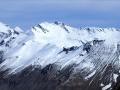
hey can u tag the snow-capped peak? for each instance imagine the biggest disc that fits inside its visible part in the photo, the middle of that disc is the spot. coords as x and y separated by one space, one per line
50 39
4 28
92 52
52 33
18 29
61 35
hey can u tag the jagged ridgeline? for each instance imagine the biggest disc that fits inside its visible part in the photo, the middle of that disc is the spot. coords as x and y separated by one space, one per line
55 56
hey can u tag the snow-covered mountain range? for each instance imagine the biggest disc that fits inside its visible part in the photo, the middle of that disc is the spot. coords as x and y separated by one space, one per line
92 55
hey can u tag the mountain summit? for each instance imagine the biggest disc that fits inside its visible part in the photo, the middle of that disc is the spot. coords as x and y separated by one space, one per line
67 58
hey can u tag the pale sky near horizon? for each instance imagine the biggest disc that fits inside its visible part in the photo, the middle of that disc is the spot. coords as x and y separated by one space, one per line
77 13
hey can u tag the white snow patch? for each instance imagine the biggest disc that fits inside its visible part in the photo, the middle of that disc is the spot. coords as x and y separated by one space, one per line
18 29
107 86
90 75
101 84
115 77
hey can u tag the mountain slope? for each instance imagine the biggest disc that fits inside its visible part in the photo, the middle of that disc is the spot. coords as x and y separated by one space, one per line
61 54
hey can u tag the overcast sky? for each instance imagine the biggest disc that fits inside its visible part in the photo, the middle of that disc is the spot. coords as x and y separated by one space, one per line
77 13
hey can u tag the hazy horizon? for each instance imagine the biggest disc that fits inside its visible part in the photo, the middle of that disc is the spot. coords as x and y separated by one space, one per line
76 13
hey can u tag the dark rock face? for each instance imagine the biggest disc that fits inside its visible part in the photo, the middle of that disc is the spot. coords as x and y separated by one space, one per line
117 85
2 42
98 42
49 78
1 56
37 79
66 50
87 47
43 29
